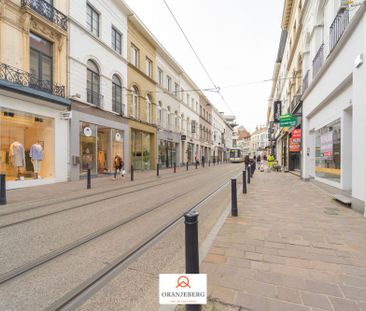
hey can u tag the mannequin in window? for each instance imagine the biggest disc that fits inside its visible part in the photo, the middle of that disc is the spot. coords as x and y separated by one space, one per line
17 156
36 154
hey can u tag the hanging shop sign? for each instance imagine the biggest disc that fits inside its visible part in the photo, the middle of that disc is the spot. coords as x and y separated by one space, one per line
277 105
287 120
296 134
183 138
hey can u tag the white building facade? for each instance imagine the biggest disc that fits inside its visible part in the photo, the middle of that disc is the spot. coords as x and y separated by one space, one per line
334 109
98 85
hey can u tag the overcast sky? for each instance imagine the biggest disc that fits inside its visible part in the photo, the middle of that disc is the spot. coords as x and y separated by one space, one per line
237 41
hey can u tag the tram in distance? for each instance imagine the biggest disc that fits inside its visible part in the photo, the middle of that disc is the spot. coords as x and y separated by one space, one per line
236 155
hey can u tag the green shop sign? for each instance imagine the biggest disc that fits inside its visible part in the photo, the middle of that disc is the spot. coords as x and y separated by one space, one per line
287 120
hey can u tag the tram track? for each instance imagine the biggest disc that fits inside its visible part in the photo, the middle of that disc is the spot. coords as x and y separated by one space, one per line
152 180
81 293
89 202
31 265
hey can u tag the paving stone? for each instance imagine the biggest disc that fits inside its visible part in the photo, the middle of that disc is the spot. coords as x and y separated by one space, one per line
251 302
254 256
354 292
278 305
323 288
214 258
315 300
353 281
340 304
260 288
225 295
291 295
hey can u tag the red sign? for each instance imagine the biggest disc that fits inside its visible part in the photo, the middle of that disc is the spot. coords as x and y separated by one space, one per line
296 134
294 145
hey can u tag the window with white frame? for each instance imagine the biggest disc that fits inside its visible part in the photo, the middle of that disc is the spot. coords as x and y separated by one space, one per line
134 55
92 20
169 83
116 40
161 77
149 67
169 118
176 89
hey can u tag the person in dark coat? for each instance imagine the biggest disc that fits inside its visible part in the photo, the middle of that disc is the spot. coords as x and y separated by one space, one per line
118 165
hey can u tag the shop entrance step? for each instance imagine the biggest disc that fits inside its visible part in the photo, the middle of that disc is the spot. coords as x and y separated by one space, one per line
343 199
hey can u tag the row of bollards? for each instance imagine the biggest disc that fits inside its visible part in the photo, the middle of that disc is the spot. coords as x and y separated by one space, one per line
247 175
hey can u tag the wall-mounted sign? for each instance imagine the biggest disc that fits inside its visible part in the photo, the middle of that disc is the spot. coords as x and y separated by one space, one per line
287 120
118 137
296 134
183 137
66 115
277 107
87 131
294 145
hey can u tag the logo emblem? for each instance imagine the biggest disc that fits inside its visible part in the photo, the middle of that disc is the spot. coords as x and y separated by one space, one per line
183 282
88 131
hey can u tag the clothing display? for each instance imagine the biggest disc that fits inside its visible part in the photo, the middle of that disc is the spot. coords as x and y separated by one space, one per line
36 165
36 152
17 154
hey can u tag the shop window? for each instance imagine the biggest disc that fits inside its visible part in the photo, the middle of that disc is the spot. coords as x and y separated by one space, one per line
141 150
27 145
93 84
328 152
88 148
41 63
117 94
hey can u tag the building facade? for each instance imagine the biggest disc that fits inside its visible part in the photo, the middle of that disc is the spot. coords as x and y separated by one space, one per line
98 83
33 92
205 128
334 110
141 96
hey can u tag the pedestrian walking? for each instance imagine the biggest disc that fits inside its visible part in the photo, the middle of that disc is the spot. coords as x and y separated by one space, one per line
246 160
203 160
118 166
197 159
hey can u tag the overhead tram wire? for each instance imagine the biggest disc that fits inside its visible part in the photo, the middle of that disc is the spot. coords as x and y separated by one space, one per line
198 58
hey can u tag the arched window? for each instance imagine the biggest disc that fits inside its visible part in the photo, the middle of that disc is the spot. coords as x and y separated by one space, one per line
135 102
117 94
93 84
148 109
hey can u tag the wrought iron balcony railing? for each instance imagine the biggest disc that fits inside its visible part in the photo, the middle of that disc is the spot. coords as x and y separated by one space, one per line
94 98
18 76
305 81
48 11
318 60
337 28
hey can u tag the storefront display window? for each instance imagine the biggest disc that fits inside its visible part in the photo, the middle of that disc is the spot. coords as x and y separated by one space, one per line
88 144
104 150
167 153
27 145
117 143
328 152
141 150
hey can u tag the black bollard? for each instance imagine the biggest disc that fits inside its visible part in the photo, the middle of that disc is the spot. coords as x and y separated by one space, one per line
244 181
88 180
187 165
157 170
175 167
234 202
2 189
209 163
248 173
132 177
191 243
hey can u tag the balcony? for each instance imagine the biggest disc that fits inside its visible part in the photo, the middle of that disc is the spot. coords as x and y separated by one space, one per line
337 28
94 98
48 11
20 77
318 60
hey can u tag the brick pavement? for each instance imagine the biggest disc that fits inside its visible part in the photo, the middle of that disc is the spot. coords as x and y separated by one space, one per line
291 248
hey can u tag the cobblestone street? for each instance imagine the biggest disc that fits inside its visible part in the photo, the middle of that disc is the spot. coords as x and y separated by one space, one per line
291 248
